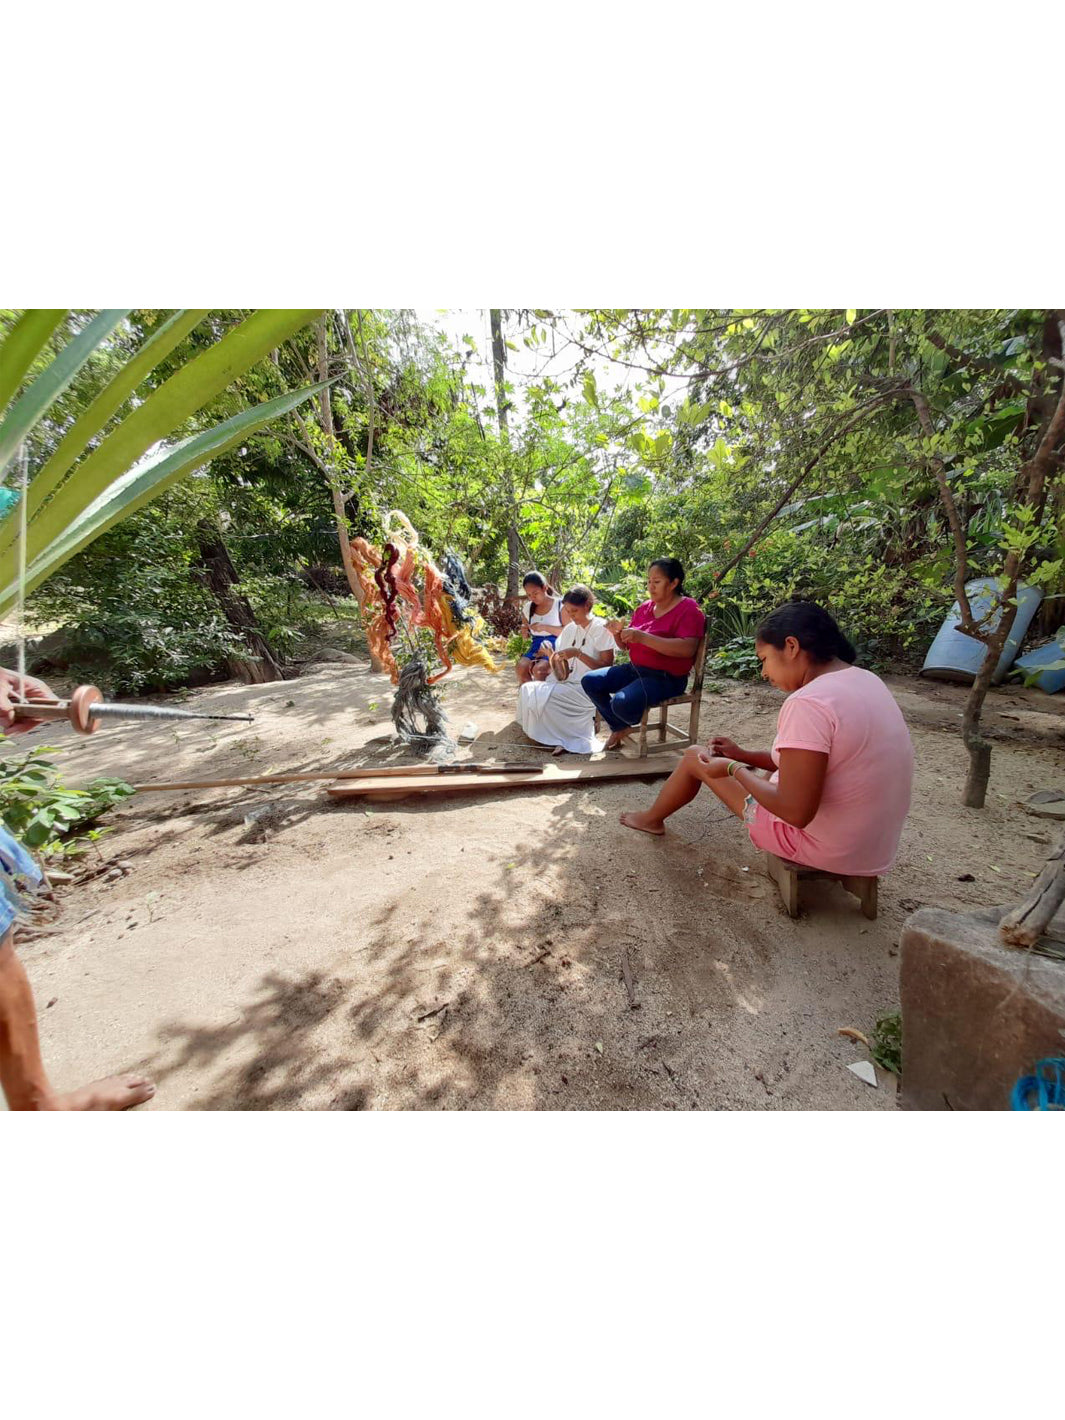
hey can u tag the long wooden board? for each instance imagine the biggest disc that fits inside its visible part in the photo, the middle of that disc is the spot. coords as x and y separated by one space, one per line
551 776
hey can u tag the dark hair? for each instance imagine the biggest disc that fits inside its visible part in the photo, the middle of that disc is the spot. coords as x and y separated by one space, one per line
812 626
579 595
673 569
538 581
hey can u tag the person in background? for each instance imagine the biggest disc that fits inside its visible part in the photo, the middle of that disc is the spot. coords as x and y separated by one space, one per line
541 620
661 638
556 711
834 790
22 1075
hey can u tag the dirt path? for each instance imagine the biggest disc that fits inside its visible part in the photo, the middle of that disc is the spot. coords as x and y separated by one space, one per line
467 953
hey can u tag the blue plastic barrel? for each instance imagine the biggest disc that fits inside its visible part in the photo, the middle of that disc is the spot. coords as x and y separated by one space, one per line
958 658
1050 681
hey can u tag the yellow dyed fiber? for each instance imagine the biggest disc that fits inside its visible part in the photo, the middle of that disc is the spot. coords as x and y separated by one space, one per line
461 644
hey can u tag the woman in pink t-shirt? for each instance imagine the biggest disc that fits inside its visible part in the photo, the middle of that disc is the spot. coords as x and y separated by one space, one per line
834 791
661 638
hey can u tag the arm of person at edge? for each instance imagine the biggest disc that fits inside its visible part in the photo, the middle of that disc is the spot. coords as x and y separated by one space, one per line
665 645
10 685
795 797
728 749
595 663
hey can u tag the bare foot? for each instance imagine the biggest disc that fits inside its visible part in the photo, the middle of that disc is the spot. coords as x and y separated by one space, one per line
616 737
116 1092
645 822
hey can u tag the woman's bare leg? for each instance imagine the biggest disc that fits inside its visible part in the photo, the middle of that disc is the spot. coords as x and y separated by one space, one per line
22 1076
680 788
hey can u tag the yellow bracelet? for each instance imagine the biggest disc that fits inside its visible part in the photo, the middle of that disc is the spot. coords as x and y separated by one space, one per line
733 764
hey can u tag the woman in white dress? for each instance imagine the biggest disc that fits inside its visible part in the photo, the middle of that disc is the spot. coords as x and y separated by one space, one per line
556 711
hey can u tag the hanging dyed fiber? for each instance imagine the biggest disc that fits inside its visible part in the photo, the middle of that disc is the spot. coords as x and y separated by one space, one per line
433 607
367 559
403 575
457 588
463 647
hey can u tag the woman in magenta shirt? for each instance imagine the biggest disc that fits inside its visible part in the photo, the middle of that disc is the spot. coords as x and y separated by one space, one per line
841 767
661 639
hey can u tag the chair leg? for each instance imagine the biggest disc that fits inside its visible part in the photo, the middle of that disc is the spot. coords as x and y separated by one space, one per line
663 720
787 880
642 751
693 723
865 890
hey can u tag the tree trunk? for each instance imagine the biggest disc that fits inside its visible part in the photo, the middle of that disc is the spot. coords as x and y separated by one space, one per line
499 361
325 405
1029 919
1035 471
219 576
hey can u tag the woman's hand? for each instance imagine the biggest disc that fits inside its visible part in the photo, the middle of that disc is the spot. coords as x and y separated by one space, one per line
632 637
714 766
720 745
10 684
615 627
571 652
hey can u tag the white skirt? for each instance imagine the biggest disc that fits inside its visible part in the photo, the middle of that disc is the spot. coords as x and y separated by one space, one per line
554 712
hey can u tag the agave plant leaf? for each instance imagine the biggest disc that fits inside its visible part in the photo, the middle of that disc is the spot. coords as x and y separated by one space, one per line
23 343
141 484
37 398
157 347
162 413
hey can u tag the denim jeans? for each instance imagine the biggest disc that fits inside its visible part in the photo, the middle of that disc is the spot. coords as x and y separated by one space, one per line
622 693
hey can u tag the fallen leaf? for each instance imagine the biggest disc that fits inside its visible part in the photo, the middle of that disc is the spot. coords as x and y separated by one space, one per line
599 1046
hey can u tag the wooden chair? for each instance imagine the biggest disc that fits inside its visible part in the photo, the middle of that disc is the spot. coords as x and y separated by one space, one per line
788 875
681 738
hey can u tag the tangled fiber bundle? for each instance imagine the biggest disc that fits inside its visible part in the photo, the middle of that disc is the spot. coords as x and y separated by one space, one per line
417 714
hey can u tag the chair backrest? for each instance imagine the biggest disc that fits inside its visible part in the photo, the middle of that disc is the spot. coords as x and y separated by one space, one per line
700 663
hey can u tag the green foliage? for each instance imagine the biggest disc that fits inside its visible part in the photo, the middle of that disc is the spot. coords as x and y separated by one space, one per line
137 615
68 507
886 1043
517 645
40 810
735 660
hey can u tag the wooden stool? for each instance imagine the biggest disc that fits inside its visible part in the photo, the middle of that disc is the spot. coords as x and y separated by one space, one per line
788 875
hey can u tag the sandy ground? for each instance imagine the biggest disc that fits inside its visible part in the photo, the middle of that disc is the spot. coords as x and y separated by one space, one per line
465 952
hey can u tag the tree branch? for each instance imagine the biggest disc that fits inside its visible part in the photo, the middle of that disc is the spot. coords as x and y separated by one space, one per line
961 552
1030 918
1009 382
808 468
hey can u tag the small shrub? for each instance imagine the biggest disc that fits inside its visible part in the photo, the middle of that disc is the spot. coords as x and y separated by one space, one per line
886 1045
41 811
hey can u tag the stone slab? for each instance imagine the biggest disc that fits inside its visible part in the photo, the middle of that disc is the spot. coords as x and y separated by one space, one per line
975 1015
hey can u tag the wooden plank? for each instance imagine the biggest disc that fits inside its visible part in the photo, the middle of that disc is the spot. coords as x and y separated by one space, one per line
391 772
551 776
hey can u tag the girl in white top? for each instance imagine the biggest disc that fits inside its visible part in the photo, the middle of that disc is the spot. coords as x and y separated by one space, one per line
556 711
542 621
